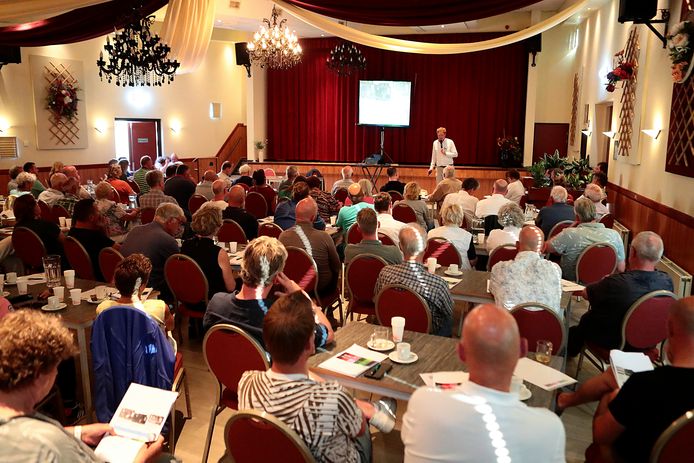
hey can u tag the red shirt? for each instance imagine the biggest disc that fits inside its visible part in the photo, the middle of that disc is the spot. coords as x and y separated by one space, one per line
123 189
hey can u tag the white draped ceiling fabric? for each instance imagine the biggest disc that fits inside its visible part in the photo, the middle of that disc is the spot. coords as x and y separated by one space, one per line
426 48
187 29
21 11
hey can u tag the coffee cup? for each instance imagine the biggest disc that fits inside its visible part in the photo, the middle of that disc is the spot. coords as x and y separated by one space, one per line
11 278
100 292
453 268
233 247
404 353
431 264
76 296
398 326
480 238
68 223
69 278
516 383
333 220
62 222
22 285
53 302
59 292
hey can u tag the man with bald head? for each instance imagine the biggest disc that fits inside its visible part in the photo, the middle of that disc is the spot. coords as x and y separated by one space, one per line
346 180
55 192
529 277
146 164
72 173
236 200
204 188
449 184
491 205
413 274
218 195
481 420
348 214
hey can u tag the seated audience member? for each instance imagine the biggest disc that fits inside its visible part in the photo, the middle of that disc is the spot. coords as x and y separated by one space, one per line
465 199
313 171
348 214
285 213
559 211
37 187
115 215
370 244
491 205
413 274
600 179
161 164
218 194
13 173
28 214
125 169
611 297
333 425
156 240
600 168
56 167
515 189
225 173
345 181
327 204
71 191
452 215
261 268
89 228
628 421
285 188
386 223
459 425
115 174
511 217
32 345
72 173
55 192
260 186
367 189
529 277
155 196
204 188
572 241
212 259
448 185
170 171
181 187
244 178
236 200
394 183
318 244
595 194
140 175
25 181
420 208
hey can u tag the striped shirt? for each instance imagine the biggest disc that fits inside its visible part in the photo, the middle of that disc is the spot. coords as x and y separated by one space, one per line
154 198
323 414
140 178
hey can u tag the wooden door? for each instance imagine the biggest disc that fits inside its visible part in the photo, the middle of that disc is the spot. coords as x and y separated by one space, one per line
550 136
143 141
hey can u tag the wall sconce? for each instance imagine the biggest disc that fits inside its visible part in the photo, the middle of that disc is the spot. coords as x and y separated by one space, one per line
610 134
653 133
587 132
100 126
4 125
175 126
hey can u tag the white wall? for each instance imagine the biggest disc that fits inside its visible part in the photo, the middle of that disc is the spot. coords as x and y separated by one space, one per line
555 69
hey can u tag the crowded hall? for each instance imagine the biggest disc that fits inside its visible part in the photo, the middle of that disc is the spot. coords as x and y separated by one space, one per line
346 231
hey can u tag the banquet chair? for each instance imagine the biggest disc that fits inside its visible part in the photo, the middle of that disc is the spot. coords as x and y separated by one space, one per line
251 436
270 172
227 369
500 254
109 258
404 213
643 328
362 274
595 263
607 220
535 325
195 202
244 186
675 443
79 259
28 247
189 286
231 231
256 205
269 229
385 239
443 251
400 301
147 215
59 211
558 227
341 195
354 235
133 184
395 196
301 268
46 212
491 222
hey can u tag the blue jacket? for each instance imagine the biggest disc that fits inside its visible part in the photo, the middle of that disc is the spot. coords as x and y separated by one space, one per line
285 216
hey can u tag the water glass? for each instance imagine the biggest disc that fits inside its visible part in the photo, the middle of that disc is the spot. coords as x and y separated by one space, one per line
543 352
379 338
51 267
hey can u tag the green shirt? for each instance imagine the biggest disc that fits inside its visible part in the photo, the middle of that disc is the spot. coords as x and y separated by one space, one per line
348 215
139 178
37 188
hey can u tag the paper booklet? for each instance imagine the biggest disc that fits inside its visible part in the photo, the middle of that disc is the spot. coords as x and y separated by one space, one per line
541 375
139 419
624 364
445 379
354 361
570 286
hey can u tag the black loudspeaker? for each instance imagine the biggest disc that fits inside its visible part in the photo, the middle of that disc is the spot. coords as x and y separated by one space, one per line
10 55
242 58
637 11
534 44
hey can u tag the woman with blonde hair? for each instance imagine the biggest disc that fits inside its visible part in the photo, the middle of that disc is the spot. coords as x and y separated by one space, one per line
453 216
510 217
411 195
115 172
56 168
115 215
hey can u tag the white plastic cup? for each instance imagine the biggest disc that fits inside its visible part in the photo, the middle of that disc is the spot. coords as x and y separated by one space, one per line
480 238
179 242
404 351
59 292
62 222
333 220
233 247
100 292
516 383
76 296
69 278
53 302
22 285
453 268
431 264
68 223
398 326
11 278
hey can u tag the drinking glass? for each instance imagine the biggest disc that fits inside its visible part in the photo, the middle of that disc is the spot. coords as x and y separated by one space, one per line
379 338
51 267
543 352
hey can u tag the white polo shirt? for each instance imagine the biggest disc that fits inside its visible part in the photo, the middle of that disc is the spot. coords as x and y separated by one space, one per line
515 191
390 227
490 206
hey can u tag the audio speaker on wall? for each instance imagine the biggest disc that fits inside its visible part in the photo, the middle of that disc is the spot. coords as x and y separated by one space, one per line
242 58
637 11
534 44
10 55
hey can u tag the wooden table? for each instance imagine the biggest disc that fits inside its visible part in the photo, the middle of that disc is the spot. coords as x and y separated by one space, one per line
435 353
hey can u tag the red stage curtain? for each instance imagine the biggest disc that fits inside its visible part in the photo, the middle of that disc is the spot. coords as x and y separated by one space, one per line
312 113
76 25
410 12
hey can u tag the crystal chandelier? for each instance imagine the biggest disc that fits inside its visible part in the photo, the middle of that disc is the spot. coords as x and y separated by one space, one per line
345 58
274 47
136 57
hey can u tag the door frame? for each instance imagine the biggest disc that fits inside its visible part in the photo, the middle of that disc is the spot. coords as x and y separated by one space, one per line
157 123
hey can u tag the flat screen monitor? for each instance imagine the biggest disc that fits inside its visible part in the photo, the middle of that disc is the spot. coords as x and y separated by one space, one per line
385 103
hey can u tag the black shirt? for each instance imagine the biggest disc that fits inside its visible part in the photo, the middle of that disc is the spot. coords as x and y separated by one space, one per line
205 253
245 179
243 218
93 241
394 185
647 404
549 216
181 189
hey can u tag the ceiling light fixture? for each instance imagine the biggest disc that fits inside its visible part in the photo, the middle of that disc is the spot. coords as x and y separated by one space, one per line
345 58
273 46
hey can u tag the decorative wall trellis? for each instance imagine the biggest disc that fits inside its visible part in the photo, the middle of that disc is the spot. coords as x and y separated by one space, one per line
628 100
573 127
62 130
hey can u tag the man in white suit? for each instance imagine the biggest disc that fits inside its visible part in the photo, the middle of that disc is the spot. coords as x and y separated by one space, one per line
442 153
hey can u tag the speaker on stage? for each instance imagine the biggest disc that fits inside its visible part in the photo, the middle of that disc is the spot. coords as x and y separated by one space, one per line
242 58
637 11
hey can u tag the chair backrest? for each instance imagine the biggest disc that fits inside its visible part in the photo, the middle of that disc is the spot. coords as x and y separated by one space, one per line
544 323
133 184
595 263
675 443
256 205
395 196
385 239
269 229
28 247
362 274
195 202
404 213
147 215
500 254
79 259
645 323
59 211
5 307
341 194
301 268
558 227
219 342
491 222
443 250
186 280
109 258
270 172
354 235
46 212
253 436
607 220
231 231
401 301
244 186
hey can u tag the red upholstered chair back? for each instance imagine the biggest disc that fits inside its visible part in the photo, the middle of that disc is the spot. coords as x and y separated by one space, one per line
534 325
244 186
607 220
595 263
401 301
269 172
231 231
186 280
443 250
4 307
404 213
645 324
557 228
28 247
500 254
195 202
252 436
385 239
341 194
354 235
59 211
109 258
269 229
147 215
133 184
79 259
256 205
301 268
46 212
362 273
395 196
675 443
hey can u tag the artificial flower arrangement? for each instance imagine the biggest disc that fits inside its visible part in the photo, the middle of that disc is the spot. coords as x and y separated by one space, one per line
623 71
510 152
62 99
680 50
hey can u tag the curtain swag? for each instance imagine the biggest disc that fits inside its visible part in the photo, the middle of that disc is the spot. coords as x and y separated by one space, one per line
187 29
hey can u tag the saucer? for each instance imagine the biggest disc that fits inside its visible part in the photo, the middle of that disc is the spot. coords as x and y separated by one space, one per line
389 345
394 357
47 308
453 274
5 293
98 301
524 393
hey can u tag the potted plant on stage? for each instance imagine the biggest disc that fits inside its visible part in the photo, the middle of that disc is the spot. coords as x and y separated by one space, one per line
260 146
510 153
624 70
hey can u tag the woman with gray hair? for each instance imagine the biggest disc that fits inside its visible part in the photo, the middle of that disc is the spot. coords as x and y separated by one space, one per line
511 218
453 215
115 215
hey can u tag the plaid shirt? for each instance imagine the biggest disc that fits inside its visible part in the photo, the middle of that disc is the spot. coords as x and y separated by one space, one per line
432 288
68 202
154 198
327 204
